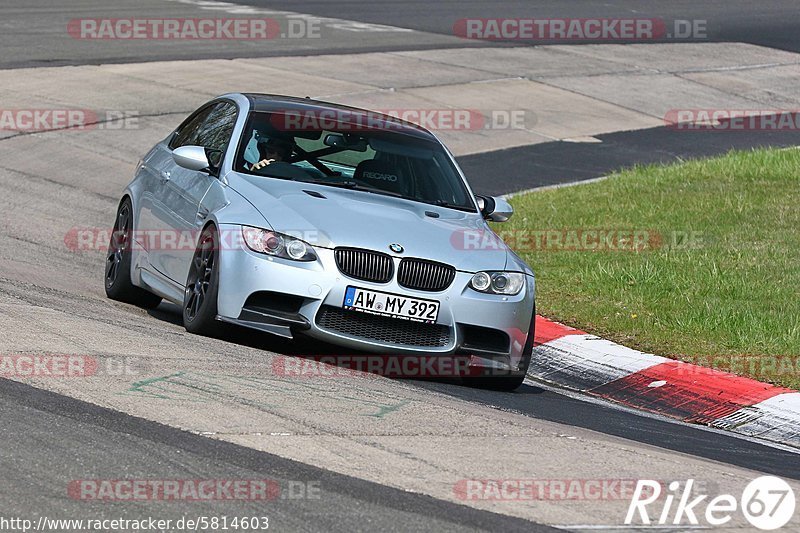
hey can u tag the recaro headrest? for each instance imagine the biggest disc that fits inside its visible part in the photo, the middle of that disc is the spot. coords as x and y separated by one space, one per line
381 175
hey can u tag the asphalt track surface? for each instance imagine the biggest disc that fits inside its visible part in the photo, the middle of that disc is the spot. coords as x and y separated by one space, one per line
553 163
49 439
551 404
34 32
770 23
134 448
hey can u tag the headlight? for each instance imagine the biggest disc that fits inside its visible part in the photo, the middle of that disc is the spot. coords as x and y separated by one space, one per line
277 244
508 283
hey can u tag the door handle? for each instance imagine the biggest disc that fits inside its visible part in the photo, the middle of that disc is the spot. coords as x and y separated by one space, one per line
165 176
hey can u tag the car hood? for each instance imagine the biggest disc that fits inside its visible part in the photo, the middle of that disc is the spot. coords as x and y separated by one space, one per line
329 217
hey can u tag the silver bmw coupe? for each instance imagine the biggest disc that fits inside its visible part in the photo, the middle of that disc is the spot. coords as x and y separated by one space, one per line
294 216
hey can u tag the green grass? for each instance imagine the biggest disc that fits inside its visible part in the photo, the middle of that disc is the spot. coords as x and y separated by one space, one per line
732 294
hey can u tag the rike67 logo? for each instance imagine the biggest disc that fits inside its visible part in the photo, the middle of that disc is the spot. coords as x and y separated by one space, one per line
767 503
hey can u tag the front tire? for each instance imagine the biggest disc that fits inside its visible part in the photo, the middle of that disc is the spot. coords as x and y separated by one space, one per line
202 287
510 382
118 282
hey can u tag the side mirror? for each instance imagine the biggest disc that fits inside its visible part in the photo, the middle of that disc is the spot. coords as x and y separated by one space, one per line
191 157
494 208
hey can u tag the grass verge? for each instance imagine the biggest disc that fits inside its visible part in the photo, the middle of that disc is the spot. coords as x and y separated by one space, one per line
702 265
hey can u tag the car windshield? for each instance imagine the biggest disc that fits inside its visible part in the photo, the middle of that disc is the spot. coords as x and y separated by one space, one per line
376 159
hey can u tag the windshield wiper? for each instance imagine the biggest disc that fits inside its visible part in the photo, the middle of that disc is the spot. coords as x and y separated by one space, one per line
272 176
457 207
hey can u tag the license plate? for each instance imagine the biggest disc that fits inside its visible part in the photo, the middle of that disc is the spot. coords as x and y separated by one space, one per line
393 305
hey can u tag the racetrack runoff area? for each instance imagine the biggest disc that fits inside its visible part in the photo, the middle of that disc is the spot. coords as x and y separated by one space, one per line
476 100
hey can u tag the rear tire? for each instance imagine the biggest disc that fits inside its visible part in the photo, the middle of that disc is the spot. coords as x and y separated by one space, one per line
202 287
118 282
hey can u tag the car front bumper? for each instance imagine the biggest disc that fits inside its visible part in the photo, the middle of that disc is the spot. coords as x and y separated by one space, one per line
469 322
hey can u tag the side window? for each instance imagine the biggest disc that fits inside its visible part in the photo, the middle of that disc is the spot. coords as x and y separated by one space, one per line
211 128
216 130
187 132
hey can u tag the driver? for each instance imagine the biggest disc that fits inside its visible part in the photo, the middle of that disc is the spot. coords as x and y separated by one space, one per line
272 151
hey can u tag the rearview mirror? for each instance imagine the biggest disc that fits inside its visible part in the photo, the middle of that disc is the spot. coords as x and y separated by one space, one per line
338 140
494 208
191 157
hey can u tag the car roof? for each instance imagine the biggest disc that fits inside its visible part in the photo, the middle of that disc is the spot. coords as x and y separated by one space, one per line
279 103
